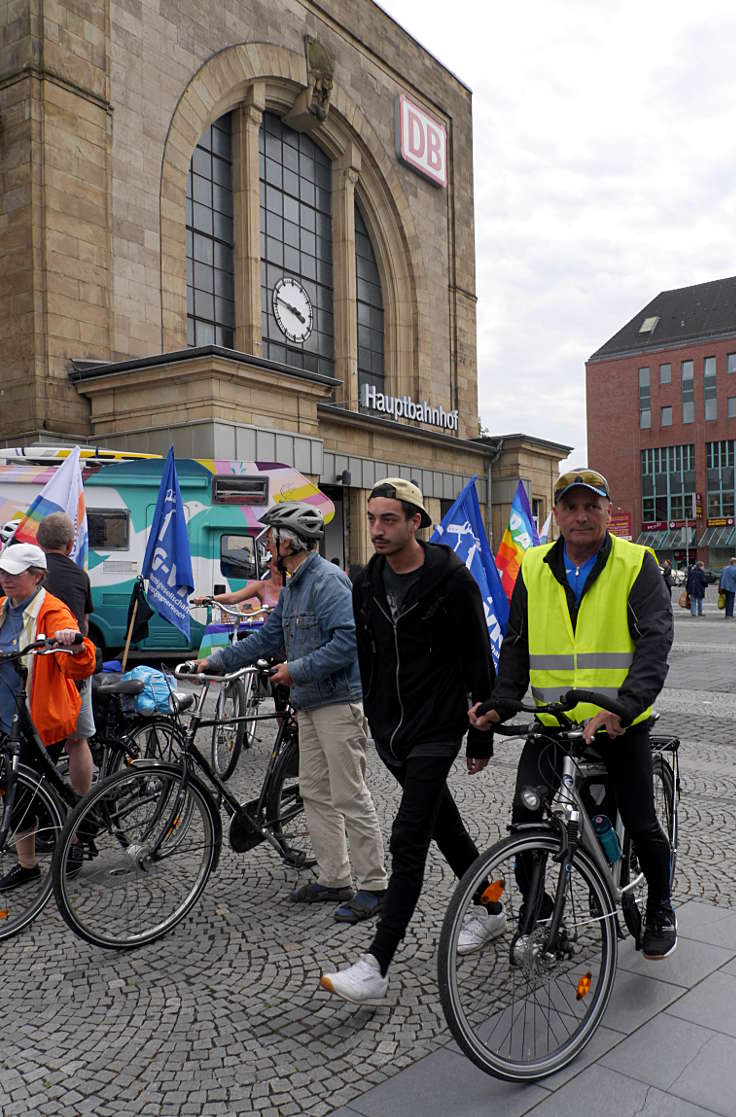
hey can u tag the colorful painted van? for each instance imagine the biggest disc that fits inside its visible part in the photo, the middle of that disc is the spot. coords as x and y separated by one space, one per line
223 501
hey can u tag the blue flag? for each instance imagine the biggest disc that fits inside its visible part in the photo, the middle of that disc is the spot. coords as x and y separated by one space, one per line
168 562
462 529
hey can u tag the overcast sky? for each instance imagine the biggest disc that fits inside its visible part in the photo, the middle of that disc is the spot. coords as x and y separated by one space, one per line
605 172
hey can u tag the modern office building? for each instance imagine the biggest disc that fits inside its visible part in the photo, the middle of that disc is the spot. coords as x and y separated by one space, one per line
661 405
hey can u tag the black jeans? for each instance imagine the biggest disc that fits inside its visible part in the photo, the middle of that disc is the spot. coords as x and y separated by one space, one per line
629 763
427 811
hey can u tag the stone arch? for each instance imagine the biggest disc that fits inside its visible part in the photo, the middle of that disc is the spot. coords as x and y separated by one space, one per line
219 86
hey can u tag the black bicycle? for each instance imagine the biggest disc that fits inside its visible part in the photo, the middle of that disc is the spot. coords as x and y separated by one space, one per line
33 799
523 1004
156 832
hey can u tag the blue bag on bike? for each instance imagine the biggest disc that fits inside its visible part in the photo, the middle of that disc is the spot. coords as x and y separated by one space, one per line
155 698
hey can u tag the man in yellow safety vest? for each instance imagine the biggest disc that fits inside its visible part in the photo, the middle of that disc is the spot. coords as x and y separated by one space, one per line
590 611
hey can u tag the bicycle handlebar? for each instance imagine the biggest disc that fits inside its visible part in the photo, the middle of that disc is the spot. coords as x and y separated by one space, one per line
44 645
230 612
563 705
188 670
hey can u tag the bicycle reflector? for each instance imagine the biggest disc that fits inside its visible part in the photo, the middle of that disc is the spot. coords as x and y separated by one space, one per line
493 893
584 985
4 913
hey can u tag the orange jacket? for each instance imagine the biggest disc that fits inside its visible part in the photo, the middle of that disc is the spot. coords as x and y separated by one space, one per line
55 700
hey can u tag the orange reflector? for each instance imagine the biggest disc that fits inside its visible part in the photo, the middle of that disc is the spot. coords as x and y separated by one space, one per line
493 892
583 986
4 913
174 825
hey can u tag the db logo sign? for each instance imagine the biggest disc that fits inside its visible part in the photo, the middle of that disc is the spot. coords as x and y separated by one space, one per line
421 141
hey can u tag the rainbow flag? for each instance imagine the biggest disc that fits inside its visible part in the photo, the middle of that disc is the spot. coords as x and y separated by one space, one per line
520 534
63 492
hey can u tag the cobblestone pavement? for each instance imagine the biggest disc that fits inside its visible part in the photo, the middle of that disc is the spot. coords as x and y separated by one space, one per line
225 1016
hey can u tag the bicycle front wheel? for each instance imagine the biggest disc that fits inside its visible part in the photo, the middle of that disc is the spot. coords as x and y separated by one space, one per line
36 821
228 735
150 843
285 809
519 1005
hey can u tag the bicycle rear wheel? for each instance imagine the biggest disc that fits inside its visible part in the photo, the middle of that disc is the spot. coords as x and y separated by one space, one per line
35 809
228 735
522 1007
150 738
665 809
285 809
154 844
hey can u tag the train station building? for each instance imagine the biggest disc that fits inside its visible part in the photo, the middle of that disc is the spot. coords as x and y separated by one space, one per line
247 231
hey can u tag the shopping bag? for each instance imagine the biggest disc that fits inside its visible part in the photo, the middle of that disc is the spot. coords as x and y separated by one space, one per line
684 600
721 600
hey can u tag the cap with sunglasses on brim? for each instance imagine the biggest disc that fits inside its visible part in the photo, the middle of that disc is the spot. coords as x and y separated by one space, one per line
584 478
397 488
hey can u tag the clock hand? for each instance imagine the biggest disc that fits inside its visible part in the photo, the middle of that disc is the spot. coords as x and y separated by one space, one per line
293 309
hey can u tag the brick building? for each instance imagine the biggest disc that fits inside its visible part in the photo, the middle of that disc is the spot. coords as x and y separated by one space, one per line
661 406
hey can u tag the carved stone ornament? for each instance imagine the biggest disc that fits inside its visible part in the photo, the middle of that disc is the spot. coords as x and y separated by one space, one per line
320 76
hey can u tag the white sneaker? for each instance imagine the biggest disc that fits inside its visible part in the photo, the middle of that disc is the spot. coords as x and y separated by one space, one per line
480 927
360 983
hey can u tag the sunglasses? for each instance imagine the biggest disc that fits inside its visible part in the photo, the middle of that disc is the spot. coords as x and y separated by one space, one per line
581 477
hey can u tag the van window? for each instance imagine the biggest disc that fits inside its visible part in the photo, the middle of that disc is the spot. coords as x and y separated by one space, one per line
229 489
108 531
238 556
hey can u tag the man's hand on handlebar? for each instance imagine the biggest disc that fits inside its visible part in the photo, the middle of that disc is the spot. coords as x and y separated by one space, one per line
603 720
484 721
280 674
200 600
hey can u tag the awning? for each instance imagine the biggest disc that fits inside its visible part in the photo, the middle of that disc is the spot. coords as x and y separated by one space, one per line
673 540
652 539
724 535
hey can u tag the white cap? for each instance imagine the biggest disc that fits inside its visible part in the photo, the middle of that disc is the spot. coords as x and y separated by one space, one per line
18 557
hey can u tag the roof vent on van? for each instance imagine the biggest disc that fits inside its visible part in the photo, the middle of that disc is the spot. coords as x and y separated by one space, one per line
229 489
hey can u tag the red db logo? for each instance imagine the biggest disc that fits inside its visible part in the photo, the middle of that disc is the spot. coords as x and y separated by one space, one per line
421 141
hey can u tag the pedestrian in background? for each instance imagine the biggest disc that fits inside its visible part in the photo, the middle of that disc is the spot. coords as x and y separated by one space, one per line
667 575
696 585
727 586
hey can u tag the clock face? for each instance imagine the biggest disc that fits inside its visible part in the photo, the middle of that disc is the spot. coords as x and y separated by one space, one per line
292 309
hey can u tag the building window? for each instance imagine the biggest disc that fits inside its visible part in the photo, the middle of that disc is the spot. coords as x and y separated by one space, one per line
732 407
667 482
209 233
709 388
370 310
688 393
645 399
719 472
665 417
296 243
665 374
731 362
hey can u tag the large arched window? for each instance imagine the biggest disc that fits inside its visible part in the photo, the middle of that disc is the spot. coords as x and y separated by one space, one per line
296 245
209 221
370 310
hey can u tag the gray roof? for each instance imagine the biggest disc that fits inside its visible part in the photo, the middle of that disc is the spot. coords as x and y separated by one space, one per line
701 312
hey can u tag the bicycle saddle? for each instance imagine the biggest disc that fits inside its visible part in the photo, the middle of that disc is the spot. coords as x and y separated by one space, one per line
105 684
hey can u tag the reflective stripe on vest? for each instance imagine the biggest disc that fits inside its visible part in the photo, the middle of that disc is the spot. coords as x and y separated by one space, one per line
599 653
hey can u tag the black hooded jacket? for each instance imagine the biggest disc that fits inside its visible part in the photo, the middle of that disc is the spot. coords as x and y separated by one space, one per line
419 672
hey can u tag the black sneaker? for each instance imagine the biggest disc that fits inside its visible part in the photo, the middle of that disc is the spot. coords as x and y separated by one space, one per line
19 876
660 933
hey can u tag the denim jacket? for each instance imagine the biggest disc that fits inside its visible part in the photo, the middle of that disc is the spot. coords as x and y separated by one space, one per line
313 621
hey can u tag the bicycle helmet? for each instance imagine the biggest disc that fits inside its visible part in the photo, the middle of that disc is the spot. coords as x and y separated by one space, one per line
7 531
304 520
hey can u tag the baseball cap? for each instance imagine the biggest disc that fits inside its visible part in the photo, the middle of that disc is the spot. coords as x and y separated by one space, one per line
396 488
588 478
18 557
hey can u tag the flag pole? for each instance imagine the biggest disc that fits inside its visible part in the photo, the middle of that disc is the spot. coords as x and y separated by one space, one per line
129 635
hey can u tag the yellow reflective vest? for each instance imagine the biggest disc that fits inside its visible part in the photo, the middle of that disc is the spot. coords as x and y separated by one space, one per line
597 655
